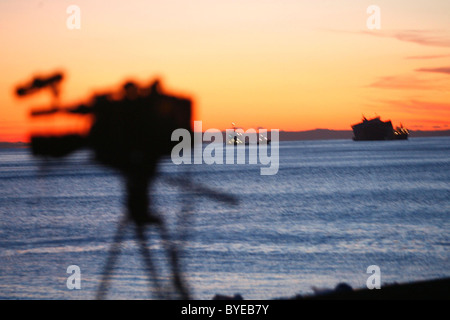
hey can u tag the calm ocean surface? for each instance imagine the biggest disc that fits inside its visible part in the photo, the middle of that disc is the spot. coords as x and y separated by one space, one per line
334 208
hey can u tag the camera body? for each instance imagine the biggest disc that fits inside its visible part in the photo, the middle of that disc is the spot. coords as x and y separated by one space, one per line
130 130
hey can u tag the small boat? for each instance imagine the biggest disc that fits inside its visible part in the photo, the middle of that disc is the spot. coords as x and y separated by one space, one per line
238 138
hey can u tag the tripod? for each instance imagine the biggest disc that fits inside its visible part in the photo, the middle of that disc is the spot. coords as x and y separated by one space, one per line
139 216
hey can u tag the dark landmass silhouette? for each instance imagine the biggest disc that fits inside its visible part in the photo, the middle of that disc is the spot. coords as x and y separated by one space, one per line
9 145
327 134
423 134
316 134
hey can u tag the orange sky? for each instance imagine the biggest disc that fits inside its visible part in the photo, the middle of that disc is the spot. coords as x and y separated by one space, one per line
288 64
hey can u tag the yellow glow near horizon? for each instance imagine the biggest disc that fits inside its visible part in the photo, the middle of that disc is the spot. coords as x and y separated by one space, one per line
289 65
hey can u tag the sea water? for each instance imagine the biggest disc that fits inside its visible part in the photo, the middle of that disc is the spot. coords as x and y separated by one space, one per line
333 209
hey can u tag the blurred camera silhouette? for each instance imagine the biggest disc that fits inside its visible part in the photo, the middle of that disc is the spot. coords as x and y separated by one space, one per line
131 130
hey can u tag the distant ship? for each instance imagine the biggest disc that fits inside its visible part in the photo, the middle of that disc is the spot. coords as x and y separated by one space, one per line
238 138
375 129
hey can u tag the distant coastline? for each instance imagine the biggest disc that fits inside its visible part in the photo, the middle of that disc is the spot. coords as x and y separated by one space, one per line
327 134
10 145
316 134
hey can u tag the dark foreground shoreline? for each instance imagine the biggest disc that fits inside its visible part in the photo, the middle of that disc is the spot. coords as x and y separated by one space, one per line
436 289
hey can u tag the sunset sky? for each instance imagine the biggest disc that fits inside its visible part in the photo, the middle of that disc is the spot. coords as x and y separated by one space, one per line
292 65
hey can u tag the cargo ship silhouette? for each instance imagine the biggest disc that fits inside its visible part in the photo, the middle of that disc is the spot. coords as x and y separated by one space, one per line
375 129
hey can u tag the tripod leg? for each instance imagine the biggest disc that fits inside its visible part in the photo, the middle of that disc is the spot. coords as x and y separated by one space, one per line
148 261
112 257
179 282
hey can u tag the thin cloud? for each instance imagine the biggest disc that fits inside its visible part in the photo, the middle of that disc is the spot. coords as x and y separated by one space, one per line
445 70
442 123
404 82
418 105
418 113
437 56
434 38
422 37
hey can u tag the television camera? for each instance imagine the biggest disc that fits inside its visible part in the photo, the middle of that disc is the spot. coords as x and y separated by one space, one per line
131 130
